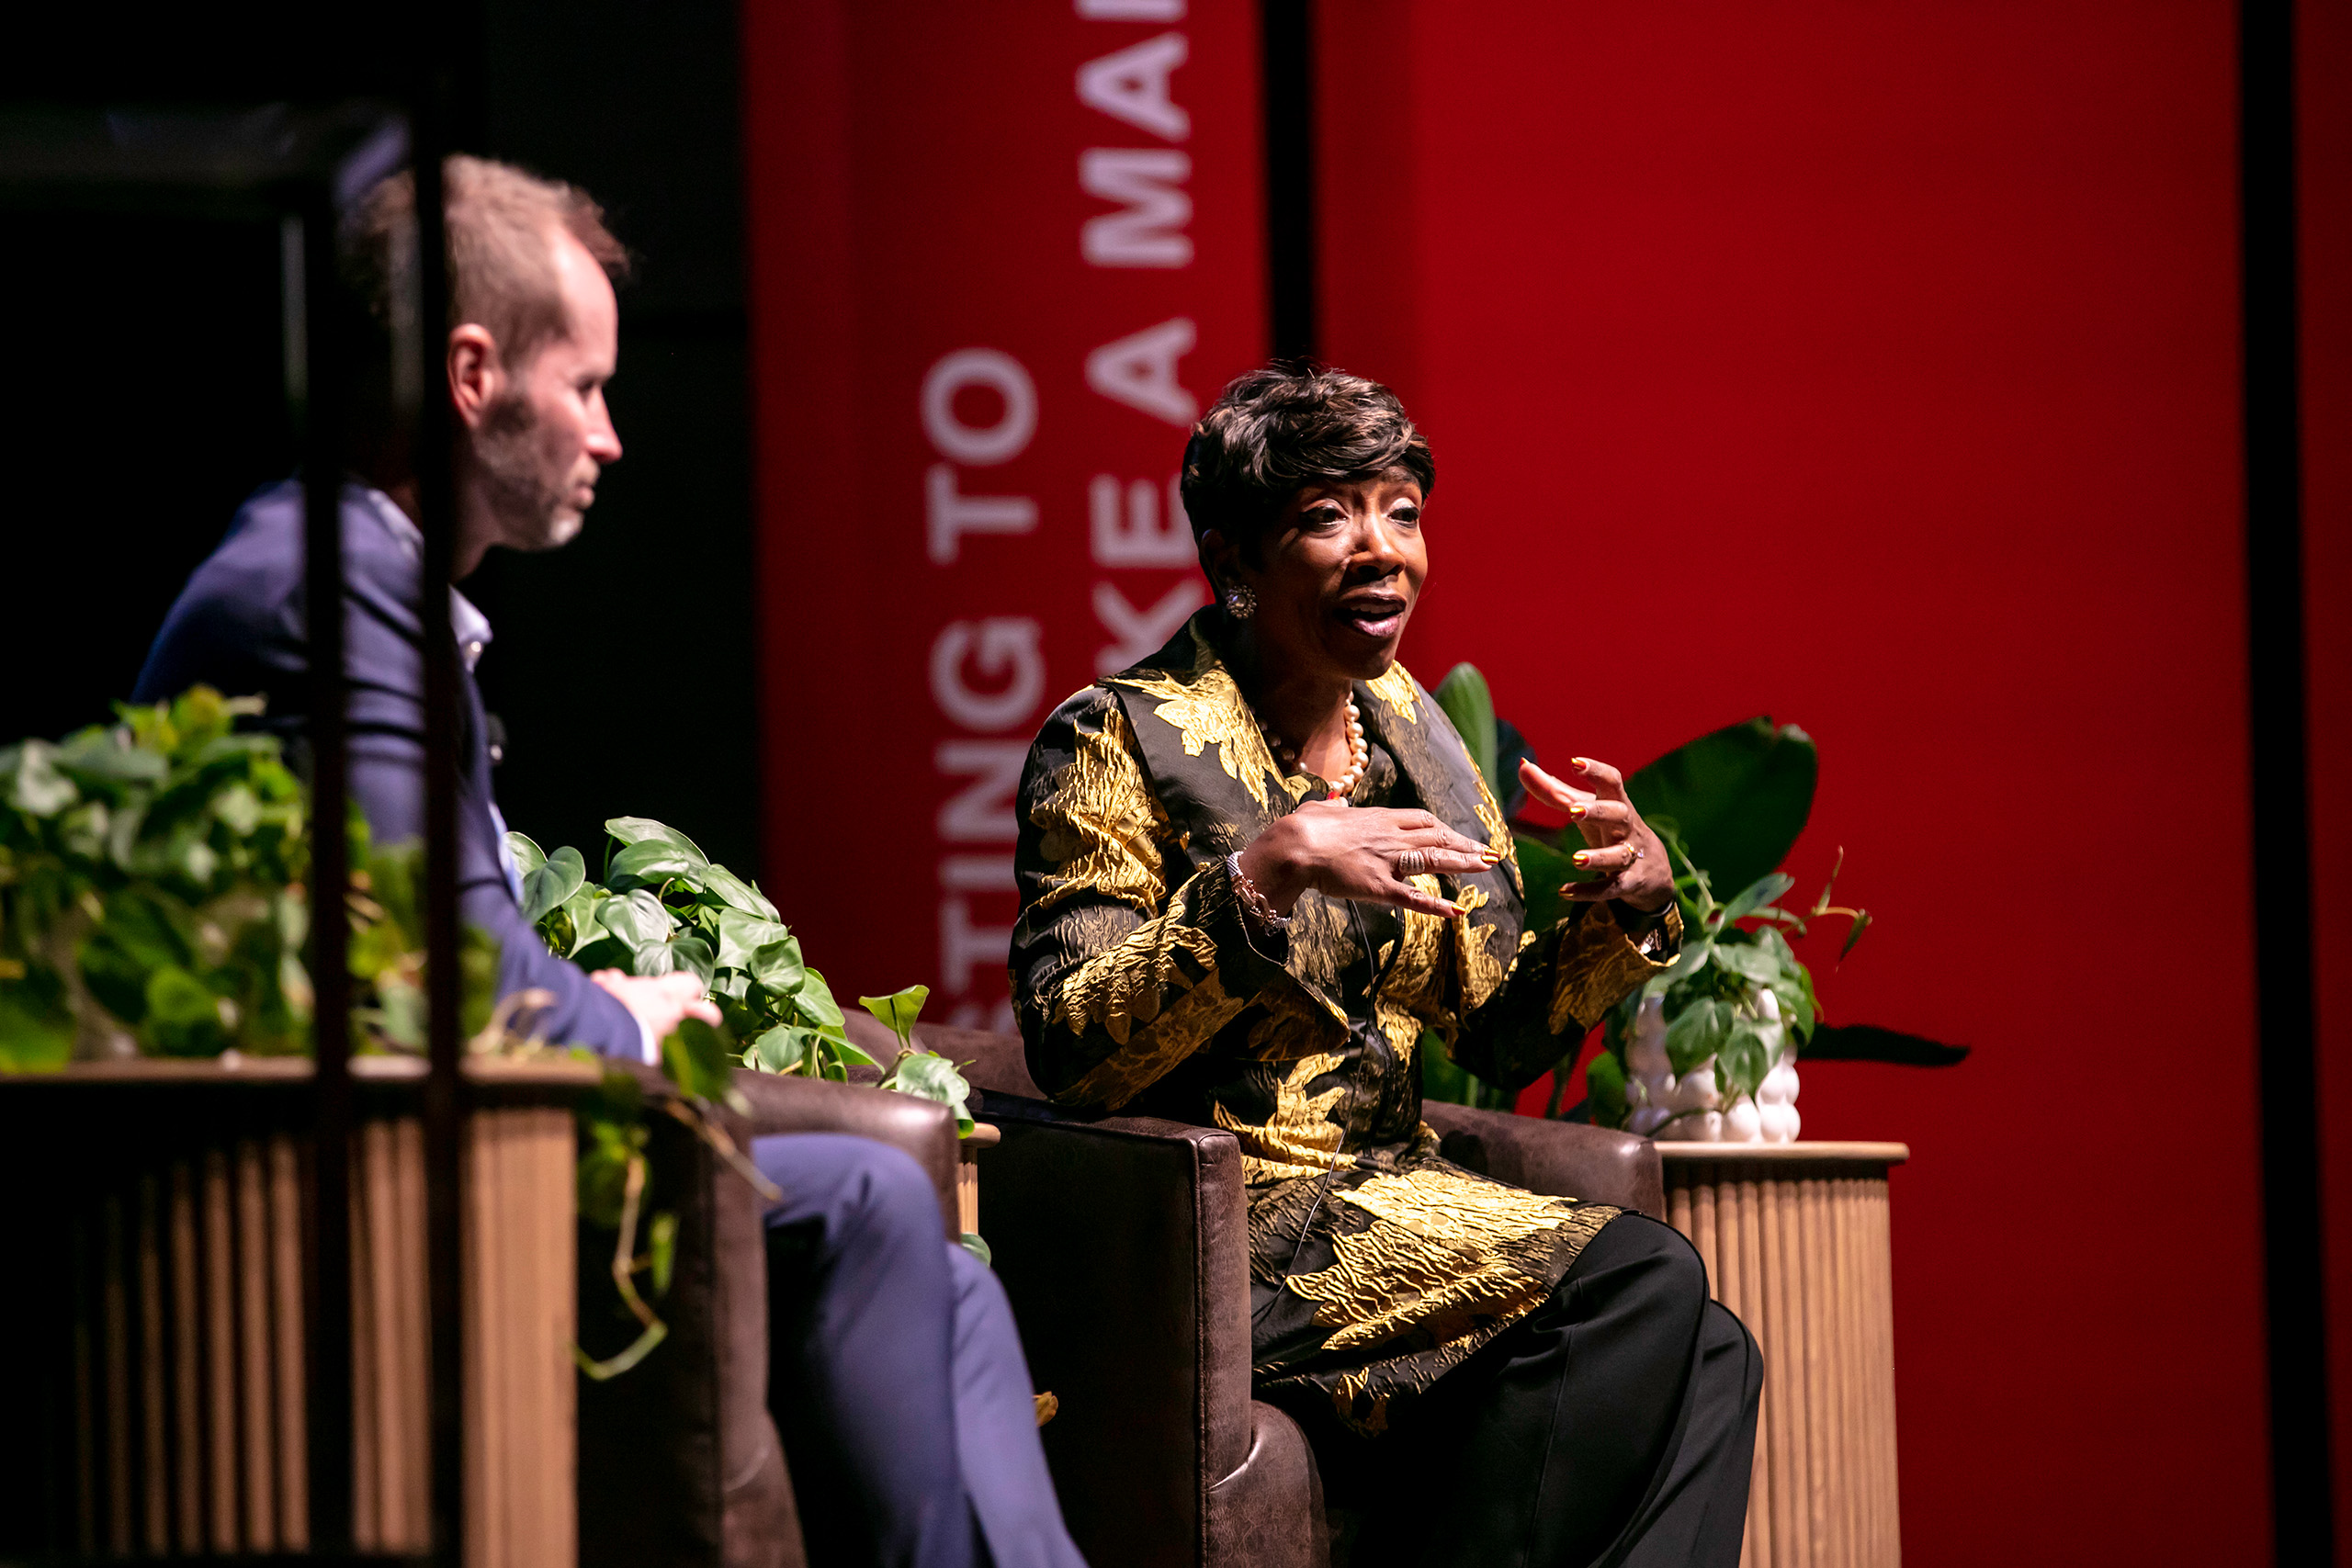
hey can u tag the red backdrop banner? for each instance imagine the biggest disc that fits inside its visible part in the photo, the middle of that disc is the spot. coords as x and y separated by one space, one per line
1002 258
1874 368
1877 368
2323 135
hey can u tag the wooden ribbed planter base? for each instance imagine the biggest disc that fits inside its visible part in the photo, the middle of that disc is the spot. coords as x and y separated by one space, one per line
165 1412
1795 1240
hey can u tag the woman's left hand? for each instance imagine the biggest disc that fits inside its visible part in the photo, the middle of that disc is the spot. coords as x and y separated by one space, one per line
1629 857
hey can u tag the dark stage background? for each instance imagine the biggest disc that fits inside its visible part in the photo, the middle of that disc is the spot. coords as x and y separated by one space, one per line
144 400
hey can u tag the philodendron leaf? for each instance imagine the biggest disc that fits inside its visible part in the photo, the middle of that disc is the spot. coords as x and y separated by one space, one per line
698 1058
1792 986
529 857
742 935
1697 951
1738 796
736 894
815 1001
630 830
786 1049
1464 696
31 782
554 880
897 1012
778 965
1757 894
603 1173
637 917
651 863
691 953
96 757
1751 961
1697 1032
929 1075
1742 1062
607 953
586 924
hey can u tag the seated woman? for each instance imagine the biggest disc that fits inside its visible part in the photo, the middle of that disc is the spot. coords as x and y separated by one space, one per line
1258 872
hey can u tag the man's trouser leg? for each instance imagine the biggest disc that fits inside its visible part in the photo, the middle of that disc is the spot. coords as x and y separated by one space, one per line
861 1332
996 1428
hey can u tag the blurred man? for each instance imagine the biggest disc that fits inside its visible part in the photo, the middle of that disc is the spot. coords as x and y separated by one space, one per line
537 336
909 1420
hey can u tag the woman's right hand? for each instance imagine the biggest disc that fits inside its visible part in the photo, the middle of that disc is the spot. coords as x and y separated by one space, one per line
1351 851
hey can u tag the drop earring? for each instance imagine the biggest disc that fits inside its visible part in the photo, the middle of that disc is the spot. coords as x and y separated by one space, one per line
1240 601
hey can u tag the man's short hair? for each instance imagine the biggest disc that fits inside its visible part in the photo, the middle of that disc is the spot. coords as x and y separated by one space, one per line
500 224
1273 432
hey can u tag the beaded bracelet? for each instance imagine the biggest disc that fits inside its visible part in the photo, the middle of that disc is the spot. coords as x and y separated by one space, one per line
1254 903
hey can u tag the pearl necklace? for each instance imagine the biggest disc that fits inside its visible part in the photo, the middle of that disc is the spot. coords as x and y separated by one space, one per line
1359 754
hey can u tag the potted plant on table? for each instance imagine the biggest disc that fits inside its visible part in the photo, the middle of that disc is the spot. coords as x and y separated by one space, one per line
1706 1050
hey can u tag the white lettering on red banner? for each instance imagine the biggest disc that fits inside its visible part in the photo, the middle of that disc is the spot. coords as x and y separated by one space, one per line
1004 256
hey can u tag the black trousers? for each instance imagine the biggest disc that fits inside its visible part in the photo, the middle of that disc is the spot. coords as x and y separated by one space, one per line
1614 1424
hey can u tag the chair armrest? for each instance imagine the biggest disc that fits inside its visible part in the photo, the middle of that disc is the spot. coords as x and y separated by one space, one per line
1564 1160
924 1128
997 1063
678 1459
1124 1244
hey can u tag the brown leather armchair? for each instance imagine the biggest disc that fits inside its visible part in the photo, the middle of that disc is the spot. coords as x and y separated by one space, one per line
1124 1244
679 1461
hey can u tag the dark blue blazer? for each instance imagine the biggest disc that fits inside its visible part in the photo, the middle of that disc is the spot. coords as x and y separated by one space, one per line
238 625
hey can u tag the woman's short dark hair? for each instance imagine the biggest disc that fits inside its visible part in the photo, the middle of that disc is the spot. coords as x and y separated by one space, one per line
1273 432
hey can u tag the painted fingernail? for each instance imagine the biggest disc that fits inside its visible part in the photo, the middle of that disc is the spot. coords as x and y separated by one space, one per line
1580 858
1580 763
1492 857
1576 810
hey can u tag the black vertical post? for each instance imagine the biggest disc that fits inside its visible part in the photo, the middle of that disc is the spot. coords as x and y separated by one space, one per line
2302 1506
433 137
321 413
1288 55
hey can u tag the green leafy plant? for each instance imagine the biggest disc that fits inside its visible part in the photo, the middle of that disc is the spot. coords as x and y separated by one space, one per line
926 1075
150 890
616 1182
153 901
152 898
1729 806
664 905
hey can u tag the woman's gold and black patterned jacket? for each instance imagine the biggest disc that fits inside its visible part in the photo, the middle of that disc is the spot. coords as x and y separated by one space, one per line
1141 987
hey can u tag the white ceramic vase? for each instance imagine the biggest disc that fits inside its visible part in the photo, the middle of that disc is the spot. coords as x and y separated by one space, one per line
1660 1098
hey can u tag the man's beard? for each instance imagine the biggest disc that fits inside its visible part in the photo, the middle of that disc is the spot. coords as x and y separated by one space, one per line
532 506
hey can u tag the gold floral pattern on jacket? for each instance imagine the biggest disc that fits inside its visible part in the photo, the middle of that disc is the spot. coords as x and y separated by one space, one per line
1201 703
1142 988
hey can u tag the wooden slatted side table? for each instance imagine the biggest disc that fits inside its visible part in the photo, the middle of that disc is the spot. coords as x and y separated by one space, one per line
165 1205
1795 1240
